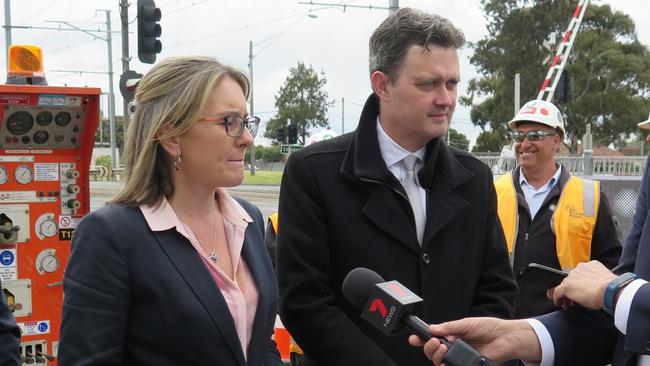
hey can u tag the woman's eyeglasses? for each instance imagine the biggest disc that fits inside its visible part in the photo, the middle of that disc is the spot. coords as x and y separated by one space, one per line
235 124
520 136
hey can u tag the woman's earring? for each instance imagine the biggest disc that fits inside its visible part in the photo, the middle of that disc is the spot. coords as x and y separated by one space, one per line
177 162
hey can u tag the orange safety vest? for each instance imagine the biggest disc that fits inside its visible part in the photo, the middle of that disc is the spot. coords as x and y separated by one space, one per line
274 221
573 221
292 346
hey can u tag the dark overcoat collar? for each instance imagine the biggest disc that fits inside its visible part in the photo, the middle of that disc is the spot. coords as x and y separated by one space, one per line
440 174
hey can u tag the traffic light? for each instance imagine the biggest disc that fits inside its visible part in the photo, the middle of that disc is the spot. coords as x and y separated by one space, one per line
148 31
128 83
293 134
281 135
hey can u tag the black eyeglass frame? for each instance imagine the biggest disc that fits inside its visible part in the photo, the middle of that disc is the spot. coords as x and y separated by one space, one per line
235 120
535 135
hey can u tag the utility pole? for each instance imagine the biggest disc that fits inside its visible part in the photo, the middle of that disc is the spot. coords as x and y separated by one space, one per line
111 94
252 103
124 17
393 6
342 115
517 92
7 28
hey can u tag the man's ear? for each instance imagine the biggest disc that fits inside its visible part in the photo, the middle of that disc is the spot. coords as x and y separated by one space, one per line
380 82
558 143
172 145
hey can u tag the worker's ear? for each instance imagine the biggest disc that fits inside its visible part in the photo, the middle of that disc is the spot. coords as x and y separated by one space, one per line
558 142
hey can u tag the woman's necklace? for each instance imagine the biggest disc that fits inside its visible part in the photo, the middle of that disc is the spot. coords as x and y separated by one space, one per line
213 254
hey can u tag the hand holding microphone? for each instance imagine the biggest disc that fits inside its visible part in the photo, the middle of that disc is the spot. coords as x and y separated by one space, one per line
387 306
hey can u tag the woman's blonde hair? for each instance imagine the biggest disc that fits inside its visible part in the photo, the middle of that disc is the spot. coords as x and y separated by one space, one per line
168 100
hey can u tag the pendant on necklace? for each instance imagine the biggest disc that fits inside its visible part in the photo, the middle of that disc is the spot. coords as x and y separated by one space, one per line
214 257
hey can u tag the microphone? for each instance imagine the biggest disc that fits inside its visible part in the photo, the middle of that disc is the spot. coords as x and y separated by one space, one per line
388 305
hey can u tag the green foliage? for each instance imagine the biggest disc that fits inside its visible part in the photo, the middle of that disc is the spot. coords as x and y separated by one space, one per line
265 153
458 140
106 132
103 160
489 141
609 68
272 153
303 100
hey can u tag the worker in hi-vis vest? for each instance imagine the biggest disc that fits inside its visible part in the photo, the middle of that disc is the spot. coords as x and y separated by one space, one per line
270 238
548 216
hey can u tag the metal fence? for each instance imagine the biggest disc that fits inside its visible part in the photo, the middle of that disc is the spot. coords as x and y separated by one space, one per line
602 165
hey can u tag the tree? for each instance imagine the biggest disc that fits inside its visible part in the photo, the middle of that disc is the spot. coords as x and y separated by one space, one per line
303 100
106 132
609 68
264 153
489 141
458 140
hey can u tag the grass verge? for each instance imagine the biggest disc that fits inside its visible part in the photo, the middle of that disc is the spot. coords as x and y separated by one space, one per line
262 177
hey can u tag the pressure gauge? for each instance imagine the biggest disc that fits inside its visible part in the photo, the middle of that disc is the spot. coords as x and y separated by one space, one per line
3 175
23 174
47 228
47 261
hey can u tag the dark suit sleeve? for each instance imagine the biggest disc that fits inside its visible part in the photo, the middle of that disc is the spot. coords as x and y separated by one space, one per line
496 289
307 301
97 295
587 337
9 335
605 243
272 355
631 245
638 329
581 336
638 322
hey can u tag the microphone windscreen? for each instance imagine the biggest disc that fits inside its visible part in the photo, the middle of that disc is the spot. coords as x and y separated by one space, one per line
358 284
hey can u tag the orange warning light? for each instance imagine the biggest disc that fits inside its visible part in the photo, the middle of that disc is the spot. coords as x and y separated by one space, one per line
25 60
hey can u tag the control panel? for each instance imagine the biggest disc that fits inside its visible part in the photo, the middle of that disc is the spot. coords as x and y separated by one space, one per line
46 140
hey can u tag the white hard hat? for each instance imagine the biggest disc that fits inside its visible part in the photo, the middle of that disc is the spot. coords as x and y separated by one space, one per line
539 111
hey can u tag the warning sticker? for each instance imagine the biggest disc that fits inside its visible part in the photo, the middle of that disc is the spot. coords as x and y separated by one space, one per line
21 159
44 172
8 268
35 328
14 99
66 222
51 100
23 196
73 101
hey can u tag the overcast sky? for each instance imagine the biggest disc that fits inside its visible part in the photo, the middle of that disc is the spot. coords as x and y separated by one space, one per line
282 33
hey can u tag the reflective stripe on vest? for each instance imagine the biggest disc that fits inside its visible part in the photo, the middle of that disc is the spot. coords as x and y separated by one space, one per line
574 220
274 221
572 223
507 210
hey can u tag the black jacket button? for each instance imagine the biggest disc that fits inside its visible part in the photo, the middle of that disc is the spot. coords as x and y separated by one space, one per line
426 258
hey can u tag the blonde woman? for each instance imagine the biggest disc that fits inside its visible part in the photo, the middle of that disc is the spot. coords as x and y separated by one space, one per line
174 270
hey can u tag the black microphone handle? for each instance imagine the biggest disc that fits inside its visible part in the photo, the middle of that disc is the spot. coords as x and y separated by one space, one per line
459 353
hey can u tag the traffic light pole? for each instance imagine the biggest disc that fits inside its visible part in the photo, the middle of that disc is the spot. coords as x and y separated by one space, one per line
252 103
124 16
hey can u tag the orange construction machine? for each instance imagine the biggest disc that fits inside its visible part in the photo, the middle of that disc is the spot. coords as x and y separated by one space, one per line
46 141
